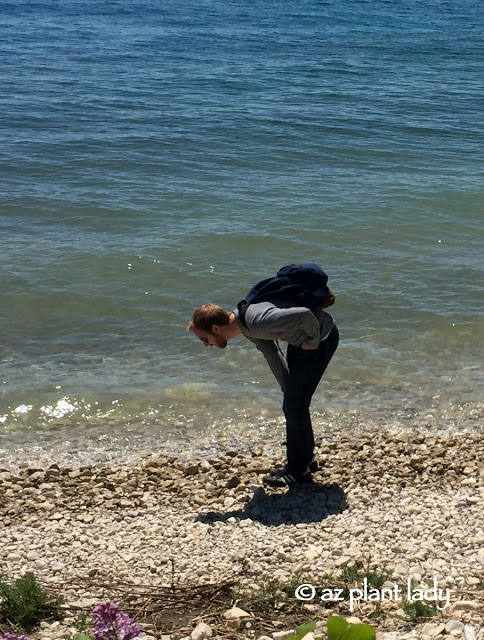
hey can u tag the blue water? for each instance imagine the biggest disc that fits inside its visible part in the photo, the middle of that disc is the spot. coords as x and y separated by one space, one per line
156 155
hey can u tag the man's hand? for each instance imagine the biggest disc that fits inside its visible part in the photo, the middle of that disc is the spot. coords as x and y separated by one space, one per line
307 347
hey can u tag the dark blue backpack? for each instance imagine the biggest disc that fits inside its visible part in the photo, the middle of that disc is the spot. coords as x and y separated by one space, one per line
301 285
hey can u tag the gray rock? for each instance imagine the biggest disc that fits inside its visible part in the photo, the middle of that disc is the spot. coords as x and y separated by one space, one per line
454 627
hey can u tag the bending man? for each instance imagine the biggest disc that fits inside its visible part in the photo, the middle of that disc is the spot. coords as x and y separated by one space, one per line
312 339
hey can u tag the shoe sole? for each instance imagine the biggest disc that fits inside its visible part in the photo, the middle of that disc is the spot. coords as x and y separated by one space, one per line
280 484
313 467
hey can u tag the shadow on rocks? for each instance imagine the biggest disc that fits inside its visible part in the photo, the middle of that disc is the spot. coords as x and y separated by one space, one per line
304 504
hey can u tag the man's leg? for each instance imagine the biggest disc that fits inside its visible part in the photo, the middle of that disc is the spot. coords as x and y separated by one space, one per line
305 371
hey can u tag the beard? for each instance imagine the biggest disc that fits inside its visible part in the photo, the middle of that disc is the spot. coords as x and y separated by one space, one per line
221 342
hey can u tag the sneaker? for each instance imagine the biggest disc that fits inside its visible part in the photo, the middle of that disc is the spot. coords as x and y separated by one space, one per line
313 466
281 478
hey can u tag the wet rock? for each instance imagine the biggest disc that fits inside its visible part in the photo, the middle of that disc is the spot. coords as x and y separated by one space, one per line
233 482
192 470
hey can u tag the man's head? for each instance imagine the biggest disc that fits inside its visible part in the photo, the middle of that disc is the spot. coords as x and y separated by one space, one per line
208 323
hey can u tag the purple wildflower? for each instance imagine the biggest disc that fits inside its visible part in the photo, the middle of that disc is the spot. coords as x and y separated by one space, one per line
12 636
112 624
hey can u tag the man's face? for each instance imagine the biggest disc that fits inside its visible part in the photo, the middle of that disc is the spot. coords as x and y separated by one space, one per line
214 339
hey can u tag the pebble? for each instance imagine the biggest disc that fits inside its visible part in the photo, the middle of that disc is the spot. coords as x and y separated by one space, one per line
235 613
433 629
342 562
212 520
309 636
465 605
454 627
282 635
201 632
472 582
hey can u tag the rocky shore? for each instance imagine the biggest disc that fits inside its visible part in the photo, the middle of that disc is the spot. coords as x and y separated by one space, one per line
173 535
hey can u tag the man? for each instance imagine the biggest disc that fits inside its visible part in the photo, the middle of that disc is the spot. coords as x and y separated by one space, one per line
312 339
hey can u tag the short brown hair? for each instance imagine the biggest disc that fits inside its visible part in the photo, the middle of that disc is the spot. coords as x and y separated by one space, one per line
206 315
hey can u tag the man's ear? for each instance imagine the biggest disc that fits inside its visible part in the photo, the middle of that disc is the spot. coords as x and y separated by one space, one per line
216 330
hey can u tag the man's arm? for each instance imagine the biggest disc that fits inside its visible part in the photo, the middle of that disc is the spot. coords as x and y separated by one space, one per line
295 325
275 359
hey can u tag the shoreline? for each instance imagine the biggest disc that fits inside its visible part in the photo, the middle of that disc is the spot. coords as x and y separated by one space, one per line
114 444
410 501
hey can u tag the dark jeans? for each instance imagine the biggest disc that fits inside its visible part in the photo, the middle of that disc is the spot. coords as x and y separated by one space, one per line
306 368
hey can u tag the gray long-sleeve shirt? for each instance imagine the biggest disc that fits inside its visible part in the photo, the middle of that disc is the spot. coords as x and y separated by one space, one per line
267 323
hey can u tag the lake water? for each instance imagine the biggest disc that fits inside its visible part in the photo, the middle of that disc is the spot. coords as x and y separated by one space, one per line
156 155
